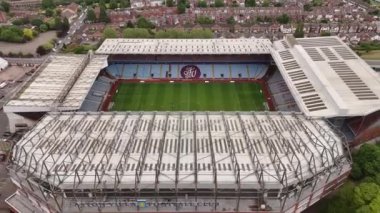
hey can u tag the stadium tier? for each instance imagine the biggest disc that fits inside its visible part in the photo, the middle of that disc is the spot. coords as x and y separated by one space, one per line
177 71
177 162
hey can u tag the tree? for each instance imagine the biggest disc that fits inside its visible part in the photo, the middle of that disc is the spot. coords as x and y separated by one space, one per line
231 20
5 6
36 22
65 25
47 4
49 12
103 16
88 2
265 3
136 33
283 19
181 8
307 7
169 3
125 3
109 33
364 193
219 3
250 3
102 3
44 49
28 34
144 23
299 31
113 4
202 3
20 21
43 28
91 17
130 25
205 20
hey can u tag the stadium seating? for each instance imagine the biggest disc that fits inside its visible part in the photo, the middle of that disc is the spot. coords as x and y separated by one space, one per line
173 70
155 70
221 71
206 70
280 93
143 71
97 92
130 70
239 71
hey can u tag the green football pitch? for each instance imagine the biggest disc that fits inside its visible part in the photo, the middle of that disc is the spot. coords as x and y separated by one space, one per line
188 97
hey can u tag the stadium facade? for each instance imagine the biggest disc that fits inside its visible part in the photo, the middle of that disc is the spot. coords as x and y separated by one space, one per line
77 158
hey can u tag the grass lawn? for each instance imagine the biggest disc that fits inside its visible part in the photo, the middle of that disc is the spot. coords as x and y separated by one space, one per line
371 55
189 97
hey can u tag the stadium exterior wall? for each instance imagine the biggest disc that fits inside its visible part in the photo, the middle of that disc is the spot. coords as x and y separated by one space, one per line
298 200
19 122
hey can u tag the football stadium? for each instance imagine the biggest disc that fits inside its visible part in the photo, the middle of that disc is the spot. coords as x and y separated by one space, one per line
191 125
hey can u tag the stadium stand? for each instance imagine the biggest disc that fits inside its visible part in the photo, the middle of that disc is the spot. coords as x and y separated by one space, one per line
173 70
94 98
281 96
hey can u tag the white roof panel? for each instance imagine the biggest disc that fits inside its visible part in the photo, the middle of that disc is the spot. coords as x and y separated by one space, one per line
327 78
61 81
185 46
180 143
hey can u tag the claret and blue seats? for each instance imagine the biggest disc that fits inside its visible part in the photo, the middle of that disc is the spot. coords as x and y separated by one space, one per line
173 70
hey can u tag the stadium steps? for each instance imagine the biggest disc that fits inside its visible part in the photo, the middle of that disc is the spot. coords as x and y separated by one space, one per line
150 70
137 70
230 70
212 71
160 71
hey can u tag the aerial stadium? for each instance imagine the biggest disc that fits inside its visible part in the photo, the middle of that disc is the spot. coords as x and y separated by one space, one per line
191 125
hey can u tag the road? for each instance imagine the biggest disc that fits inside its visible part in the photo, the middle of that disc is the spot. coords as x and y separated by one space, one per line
77 24
373 63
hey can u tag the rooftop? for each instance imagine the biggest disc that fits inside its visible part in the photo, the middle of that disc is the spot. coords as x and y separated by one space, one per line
185 46
61 81
178 147
326 77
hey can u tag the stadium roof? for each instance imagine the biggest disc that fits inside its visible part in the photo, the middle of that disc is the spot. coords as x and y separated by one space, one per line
186 46
326 77
61 81
253 149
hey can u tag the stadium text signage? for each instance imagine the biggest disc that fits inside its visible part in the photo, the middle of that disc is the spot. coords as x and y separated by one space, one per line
190 72
142 204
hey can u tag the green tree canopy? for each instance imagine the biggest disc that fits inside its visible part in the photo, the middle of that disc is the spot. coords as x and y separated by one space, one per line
299 31
91 17
283 19
169 3
36 22
231 20
43 28
5 6
181 8
219 3
250 3
103 16
202 3
109 32
49 12
47 4
136 33
144 23
205 20
113 4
